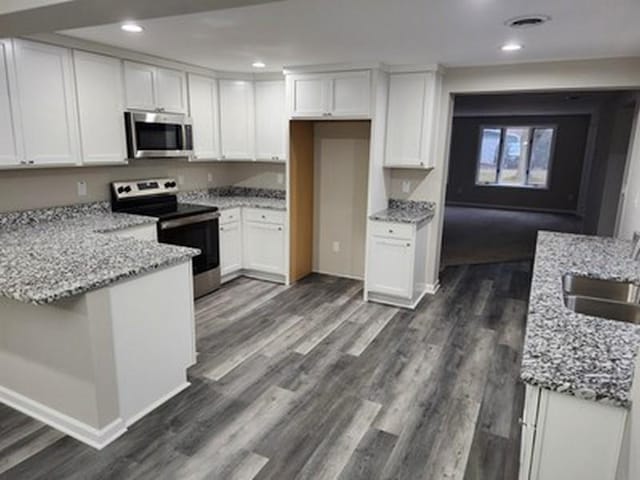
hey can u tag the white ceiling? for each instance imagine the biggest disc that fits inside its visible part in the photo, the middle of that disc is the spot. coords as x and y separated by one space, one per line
450 32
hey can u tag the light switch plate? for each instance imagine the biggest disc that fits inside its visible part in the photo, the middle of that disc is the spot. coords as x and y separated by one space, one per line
82 188
180 179
280 178
209 177
406 186
336 247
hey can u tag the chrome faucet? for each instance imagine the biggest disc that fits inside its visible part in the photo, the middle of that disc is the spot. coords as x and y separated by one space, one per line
635 246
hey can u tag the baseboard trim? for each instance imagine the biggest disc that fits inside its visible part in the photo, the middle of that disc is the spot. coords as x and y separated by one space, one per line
340 275
96 438
409 303
432 288
145 411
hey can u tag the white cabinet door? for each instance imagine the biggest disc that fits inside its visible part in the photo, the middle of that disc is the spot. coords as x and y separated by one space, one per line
406 119
350 94
264 247
390 269
139 86
236 119
9 143
100 108
203 108
230 248
310 95
270 121
46 100
171 90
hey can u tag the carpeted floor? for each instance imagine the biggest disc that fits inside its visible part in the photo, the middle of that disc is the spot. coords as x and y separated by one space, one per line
483 235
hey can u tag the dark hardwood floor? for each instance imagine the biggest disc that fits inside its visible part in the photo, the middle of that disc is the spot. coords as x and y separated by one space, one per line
309 382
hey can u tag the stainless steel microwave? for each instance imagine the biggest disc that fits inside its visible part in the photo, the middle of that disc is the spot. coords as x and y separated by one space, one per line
158 135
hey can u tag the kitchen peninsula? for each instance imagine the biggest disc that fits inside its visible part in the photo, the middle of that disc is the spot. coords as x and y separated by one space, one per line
96 318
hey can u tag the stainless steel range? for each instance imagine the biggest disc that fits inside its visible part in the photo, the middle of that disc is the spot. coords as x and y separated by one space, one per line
181 224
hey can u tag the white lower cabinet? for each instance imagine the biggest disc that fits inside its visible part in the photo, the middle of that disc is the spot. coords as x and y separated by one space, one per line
230 242
252 242
264 247
566 437
396 263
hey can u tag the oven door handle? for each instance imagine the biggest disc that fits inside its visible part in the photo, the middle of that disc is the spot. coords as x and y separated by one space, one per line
180 222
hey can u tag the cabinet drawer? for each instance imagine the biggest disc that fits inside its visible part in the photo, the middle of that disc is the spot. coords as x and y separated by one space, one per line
231 215
393 230
263 215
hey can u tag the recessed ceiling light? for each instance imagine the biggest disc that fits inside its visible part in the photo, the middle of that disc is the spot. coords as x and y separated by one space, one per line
131 27
258 65
526 21
511 47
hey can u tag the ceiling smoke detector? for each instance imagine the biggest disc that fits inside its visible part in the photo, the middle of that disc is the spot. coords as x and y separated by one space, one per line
526 21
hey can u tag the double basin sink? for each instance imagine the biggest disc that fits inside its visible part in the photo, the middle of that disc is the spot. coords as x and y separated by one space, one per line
602 298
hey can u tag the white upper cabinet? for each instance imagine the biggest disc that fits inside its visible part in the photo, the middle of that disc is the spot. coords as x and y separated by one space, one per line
139 83
342 95
171 90
270 120
154 88
310 95
236 119
8 136
46 100
100 108
203 108
350 94
409 120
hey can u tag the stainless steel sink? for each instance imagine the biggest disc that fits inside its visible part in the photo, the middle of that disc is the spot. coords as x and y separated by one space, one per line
602 298
597 307
605 289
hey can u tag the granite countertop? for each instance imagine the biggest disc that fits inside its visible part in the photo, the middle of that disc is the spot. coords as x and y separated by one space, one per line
589 357
50 254
405 211
232 197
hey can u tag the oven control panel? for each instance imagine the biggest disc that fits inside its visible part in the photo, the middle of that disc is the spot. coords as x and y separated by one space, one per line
145 188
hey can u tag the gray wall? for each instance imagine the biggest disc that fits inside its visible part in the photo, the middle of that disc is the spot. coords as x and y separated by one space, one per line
566 169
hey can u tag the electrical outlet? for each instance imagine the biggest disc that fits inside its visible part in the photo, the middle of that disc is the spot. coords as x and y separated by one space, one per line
180 179
82 188
406 186
336 247
209 177
280 179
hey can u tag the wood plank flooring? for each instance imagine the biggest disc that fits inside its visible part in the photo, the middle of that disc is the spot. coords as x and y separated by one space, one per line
309 382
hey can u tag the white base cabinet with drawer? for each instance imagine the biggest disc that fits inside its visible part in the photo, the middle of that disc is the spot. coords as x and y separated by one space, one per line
396 263
230 244
569 438
252 243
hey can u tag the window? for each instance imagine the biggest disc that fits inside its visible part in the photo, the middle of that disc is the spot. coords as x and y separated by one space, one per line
515 156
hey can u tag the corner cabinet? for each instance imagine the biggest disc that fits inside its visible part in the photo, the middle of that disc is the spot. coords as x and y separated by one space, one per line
100 108
204 111
330 95
411 119
149 87
566 437
396 263
236 119
45 94
270 122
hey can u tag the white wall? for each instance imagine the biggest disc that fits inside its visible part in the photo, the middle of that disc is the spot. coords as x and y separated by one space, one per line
45 187
341 160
